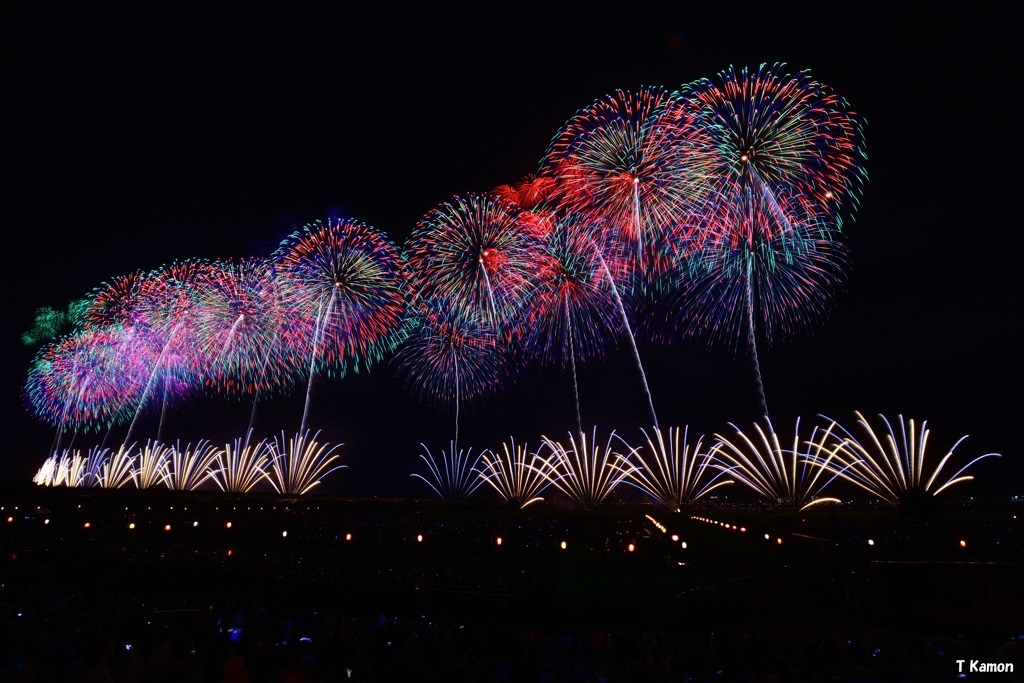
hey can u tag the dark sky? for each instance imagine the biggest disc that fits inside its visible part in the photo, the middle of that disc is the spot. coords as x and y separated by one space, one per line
136 135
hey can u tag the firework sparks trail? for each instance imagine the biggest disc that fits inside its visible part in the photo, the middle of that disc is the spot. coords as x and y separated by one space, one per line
191 466
674 471
455 476
300 463
783 476
515 473
583 470
239 466
118 470
889 461
153 463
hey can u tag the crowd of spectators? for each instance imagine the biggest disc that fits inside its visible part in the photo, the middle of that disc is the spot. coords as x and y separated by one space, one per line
136 589
77 636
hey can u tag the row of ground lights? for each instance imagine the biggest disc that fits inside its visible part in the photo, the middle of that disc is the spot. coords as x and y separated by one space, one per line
631 547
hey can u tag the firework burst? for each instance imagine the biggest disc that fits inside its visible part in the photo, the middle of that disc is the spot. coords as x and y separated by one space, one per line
515 473
783 476
889 461
118 469
531 193
583 470
343 280
674 471
471 253
300 463
89 380
191 466
240 466
50 323
641 165
792 156
786 281
776 130
454 476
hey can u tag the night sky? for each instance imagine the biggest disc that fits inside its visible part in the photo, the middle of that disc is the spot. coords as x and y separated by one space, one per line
137 135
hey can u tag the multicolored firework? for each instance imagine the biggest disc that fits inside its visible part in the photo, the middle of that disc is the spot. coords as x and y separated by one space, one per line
89 380
778 131
191 466
471 253
516 474
300 463
343 282
784 477
240 465
455 476
673 471
723 201
890 462
784 280
572 312
238 329
450 357
793 157
641 166
585 471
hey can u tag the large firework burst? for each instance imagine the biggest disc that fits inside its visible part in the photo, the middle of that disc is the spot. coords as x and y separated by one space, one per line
792 163
239 326
777 131
471 252
89 380
343 283
641 166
